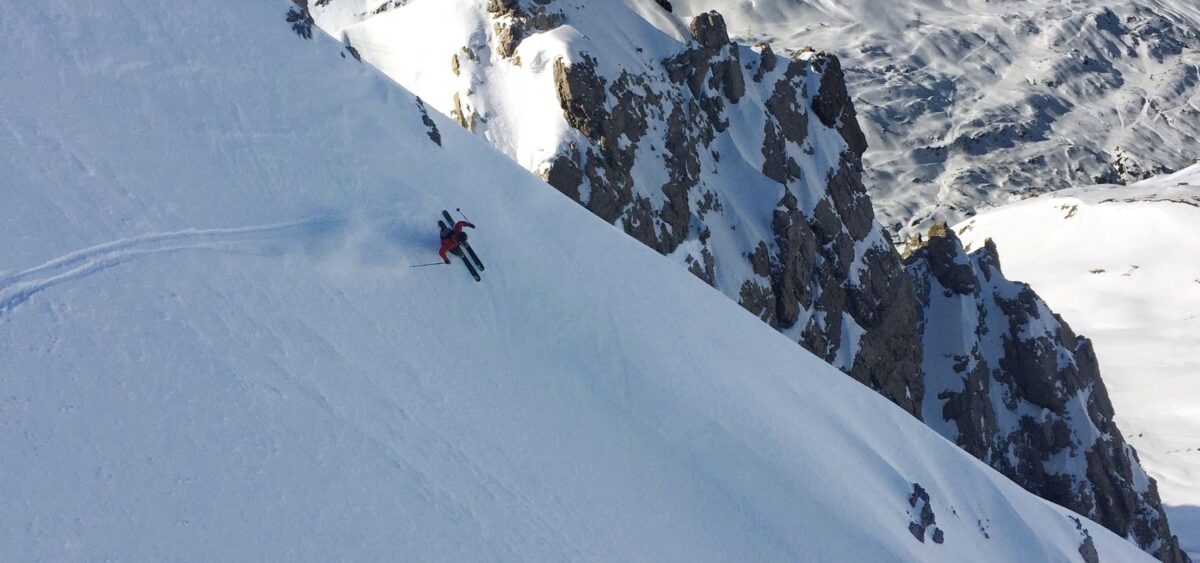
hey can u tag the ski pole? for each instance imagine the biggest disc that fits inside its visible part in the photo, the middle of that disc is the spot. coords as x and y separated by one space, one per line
464 215
429 264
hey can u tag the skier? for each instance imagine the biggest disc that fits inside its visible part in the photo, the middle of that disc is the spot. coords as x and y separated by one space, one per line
452 239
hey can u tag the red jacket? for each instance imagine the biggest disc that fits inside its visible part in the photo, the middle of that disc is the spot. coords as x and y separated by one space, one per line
450 240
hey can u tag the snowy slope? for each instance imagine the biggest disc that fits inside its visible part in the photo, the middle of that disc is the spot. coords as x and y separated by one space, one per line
212 348
976 102
1123 264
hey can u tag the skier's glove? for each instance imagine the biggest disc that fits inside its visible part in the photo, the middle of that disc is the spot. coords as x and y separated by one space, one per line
447 260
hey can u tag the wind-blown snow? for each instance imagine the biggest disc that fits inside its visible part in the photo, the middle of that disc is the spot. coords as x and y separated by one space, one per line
1122 263
212 346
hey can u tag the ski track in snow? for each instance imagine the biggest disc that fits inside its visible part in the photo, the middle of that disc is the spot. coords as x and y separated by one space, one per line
17 288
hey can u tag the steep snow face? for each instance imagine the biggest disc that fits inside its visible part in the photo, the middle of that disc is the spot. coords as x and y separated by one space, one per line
973 103
1123 263
742 166
1012 384
212 346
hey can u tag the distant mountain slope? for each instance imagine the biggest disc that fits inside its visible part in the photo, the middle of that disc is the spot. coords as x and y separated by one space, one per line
212 346
1123 263
972 103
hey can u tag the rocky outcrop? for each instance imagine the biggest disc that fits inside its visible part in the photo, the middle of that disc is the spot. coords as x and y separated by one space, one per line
832 104
430 126
1012 384
515 21
825 273
924 521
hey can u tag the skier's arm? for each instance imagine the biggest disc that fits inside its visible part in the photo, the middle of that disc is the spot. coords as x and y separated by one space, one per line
458 227
442 253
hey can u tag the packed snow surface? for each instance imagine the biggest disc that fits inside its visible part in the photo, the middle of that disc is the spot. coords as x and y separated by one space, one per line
212 346
1122 265
975 102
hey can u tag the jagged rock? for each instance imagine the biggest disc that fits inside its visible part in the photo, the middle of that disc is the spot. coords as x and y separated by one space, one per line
514 23
703 268
581 95
301 21
885 306
833 104
508 35
922 515
797 251
758 300
1087 550
777 164
853 205
766 61
434 134
714 57
1027 390
760 261
565 174
950 267
459 114
502 7
709 31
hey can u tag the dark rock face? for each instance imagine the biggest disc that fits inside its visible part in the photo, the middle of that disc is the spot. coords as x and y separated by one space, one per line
923 519
301 21
1024 393
766 61
709 30
434 134
833 104
1087 549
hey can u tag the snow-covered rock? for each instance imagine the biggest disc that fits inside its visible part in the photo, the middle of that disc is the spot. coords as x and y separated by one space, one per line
976 102
1123 264
1011 383
212 346
743 166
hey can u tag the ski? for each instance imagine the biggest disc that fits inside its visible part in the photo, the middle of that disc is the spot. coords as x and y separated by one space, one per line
470 268
471 251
